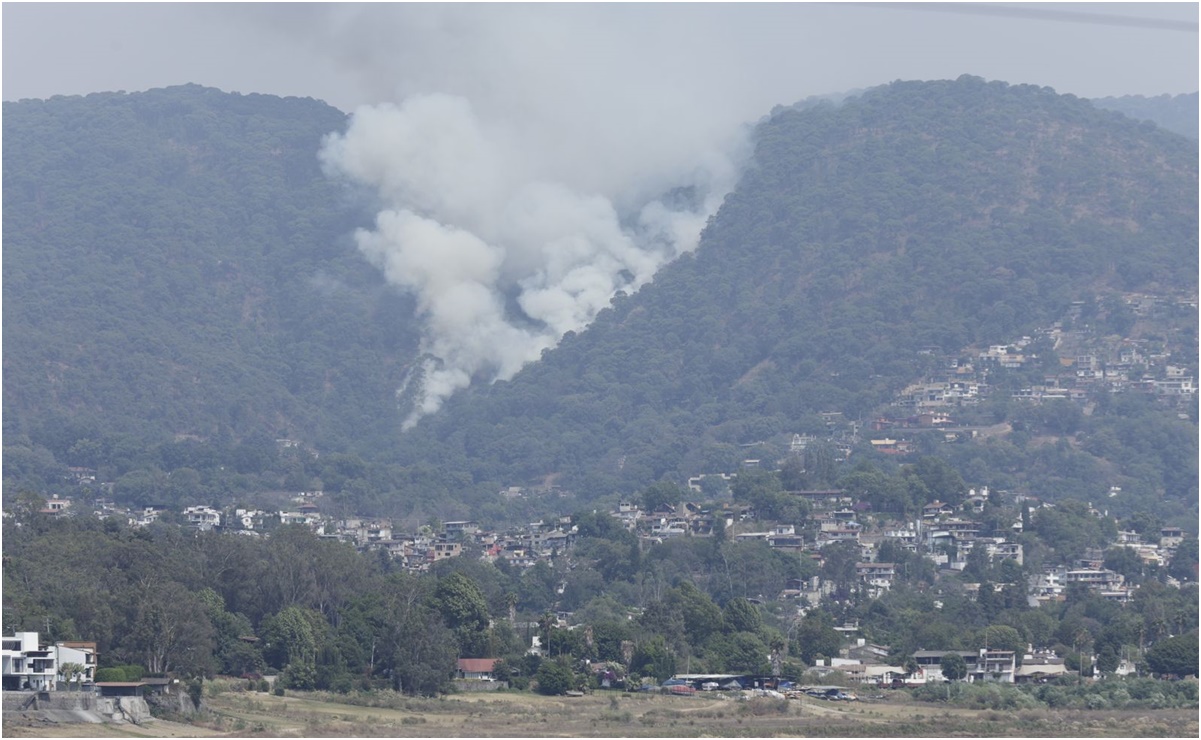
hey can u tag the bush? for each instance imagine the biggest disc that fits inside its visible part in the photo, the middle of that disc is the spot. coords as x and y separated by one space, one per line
196 691
300 675
764 705
120 673
279 691
554 678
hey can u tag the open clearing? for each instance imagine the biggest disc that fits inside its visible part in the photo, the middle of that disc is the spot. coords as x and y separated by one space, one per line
239 714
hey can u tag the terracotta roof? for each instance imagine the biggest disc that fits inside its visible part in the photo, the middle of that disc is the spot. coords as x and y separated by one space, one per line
476 665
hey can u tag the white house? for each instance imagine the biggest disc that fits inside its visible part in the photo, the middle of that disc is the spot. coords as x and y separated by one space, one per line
27 666
82 654
202 517
985 665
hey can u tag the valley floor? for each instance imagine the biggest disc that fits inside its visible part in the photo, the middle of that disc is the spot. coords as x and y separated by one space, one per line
236 714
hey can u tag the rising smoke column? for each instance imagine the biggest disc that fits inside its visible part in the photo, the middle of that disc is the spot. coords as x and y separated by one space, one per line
522 172
468 224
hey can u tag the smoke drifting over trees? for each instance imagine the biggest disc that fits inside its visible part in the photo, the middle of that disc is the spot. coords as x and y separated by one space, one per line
512 227
537 138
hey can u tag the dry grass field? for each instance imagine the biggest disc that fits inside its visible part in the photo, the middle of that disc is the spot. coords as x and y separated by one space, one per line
239 714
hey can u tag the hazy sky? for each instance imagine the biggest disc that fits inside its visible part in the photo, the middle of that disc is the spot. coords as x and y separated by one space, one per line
748 57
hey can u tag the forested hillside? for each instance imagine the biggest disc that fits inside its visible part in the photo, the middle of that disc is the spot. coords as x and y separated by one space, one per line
1176 113
176 263
919 217
181 292
182 289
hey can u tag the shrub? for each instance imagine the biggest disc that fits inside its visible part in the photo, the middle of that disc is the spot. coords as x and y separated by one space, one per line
554 678
196 691
120 673
764 705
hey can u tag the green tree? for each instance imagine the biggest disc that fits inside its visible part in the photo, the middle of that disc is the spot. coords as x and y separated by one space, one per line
701 616
555 678
293 638
953 666
815 636
1183 566
740 615
71 672
465 611
1108 659
939 478
839 566
416 649
1126 561
1175 656
1003 637
233 654
740 652
170 631
820 464
652 658
663 493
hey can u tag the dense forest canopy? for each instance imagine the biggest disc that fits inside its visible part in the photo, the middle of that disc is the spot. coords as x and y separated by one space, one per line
1175 113
915 216
176 264
188 322
181 291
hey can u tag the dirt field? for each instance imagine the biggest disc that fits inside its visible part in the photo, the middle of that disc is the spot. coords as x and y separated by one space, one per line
237 714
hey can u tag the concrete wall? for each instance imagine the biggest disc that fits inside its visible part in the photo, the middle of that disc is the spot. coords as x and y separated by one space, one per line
75 706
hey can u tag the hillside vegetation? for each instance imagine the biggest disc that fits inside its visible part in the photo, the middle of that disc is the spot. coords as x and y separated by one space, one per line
181 295
1176 113
918 216
181 290
175 263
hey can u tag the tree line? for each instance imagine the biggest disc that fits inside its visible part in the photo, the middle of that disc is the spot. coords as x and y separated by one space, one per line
322 615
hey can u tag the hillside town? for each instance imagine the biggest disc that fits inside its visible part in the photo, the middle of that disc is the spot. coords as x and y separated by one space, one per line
948 536
981 530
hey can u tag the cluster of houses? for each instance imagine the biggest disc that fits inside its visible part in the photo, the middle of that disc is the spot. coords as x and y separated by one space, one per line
415 551
31 665
868 664
943 534
947 535
1089 363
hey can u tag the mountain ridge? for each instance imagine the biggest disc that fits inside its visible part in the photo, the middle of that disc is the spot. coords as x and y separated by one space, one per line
164 248
824 236
909 218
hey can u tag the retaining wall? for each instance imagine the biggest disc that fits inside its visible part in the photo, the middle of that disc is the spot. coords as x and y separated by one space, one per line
75 706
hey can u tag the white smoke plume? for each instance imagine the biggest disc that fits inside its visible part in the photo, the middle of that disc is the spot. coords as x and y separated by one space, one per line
468 222
515 215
